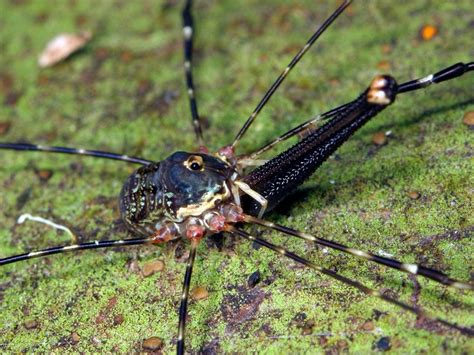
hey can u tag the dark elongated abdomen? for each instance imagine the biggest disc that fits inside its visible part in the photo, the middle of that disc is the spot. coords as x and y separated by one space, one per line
284 173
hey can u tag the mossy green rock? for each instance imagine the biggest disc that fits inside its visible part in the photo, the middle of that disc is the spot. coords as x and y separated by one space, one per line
124 92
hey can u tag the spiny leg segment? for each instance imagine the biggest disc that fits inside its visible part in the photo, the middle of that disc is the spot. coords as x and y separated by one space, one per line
188 29
361 287
394 264
285 72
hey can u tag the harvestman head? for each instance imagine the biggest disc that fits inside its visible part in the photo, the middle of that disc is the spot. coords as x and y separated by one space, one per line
194 195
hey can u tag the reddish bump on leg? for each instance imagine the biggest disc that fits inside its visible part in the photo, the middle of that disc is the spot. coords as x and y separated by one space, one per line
203 149
217 223
163 235
227 151
233 213
195 231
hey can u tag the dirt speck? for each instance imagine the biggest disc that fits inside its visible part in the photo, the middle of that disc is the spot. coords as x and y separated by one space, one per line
254 279
414 195
199 293
75 337
152 267
4 127
468 119
383 344
379 138
118 319
428 32
153 343
384 65
31 324
368 326
44 174
241 305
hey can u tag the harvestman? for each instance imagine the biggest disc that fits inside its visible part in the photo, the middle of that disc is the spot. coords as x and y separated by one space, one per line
194 195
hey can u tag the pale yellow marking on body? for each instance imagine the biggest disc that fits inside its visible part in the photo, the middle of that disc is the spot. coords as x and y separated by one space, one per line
255 195
209 202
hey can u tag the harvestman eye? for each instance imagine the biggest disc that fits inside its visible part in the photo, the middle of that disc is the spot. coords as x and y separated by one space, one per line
194 163
195 166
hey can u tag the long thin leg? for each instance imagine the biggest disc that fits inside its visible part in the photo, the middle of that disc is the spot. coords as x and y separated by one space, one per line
294 131
361 287
75 151
285 72
394 264
188 29
448 73
74 247
184 298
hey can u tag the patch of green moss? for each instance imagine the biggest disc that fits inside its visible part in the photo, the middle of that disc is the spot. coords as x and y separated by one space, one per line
125 93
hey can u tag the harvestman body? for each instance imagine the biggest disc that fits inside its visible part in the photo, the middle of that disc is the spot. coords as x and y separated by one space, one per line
194 195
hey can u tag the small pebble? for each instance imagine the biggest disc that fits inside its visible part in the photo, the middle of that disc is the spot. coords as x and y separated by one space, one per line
414 195
379 138
4 127
118 319
61 47
468 118
254 279
126 56
384 65
44 174
152 267
368 326
199 293
153 343
308 328
75 337
307 331
386 48
31 324
383 344
428 32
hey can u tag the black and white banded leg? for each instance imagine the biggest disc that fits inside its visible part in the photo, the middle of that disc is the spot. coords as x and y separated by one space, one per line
98 244
448 73
350 282
414 269
188 29
74 151
183 307
285 72
296 130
